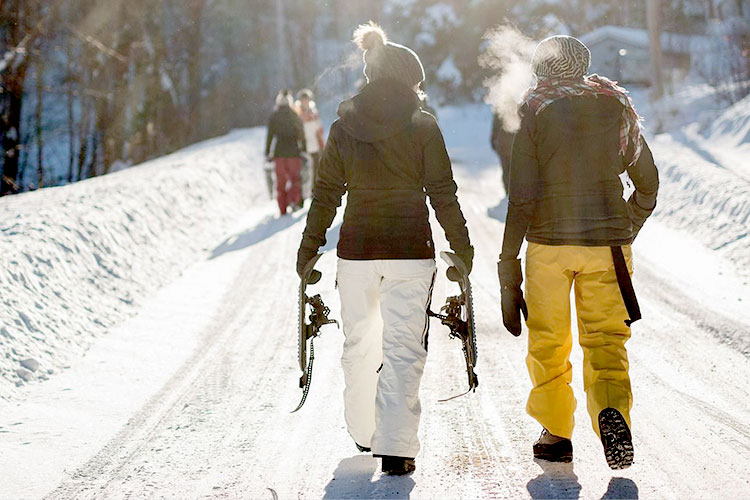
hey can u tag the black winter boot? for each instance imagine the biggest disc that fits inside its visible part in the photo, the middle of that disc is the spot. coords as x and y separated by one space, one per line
397 466
616 439
362 449
553 448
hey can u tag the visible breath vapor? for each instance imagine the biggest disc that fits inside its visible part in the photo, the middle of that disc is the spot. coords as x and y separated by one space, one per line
508 55
349 63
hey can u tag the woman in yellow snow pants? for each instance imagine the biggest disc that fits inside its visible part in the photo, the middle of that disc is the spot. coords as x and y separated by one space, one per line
578 135
602 333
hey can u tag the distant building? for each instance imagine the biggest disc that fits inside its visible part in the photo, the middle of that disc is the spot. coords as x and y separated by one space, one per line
622 54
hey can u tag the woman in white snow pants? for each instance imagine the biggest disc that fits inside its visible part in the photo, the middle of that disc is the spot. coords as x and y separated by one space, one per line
388 157
384 309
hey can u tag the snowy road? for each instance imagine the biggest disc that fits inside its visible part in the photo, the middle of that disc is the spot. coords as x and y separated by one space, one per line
204 412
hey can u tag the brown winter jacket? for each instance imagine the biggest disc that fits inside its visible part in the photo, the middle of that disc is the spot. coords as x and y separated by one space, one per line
389 157
564 183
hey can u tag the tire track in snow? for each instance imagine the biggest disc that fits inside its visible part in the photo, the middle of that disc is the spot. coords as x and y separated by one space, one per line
105 470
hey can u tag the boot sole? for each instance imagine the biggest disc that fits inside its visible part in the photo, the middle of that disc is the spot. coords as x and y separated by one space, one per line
616 439
554 458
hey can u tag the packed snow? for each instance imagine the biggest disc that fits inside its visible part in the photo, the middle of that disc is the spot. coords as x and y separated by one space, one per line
186 386
78 260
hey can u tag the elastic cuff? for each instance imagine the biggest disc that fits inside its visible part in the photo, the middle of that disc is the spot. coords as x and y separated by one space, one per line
641 199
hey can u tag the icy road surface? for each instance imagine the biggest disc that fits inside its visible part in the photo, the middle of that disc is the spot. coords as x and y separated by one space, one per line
191 398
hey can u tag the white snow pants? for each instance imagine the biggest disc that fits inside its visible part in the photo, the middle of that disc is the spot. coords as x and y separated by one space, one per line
384 310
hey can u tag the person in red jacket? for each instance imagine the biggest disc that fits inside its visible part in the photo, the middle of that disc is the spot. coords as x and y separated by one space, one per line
578 134
389 156
286 136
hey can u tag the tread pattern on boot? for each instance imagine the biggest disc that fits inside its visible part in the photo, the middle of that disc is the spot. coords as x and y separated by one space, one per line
616 439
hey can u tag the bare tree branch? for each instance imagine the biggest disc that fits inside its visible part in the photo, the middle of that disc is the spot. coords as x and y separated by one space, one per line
22 48
97 44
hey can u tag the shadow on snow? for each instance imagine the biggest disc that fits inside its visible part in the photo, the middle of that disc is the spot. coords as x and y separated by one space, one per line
264 230
353 479
557 480
621 487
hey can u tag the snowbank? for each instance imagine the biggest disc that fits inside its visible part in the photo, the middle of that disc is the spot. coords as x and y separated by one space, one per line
703 168
703 198
78 259
732 129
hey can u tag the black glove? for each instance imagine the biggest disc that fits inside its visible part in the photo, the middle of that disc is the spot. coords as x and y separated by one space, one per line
467 257
303 257
513 304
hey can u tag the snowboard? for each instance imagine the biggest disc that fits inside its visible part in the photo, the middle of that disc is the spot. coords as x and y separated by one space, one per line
458 316
309 327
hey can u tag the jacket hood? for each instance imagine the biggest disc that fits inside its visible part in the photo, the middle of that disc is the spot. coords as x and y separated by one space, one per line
382 109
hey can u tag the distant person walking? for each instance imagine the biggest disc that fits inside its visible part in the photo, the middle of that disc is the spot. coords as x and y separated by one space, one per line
578 134
314 140
502 143
287 138
389 156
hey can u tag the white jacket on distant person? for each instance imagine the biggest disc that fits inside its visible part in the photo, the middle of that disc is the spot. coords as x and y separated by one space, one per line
313 127
314 142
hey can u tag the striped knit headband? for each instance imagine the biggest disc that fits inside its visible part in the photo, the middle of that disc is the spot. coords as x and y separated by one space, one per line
563 57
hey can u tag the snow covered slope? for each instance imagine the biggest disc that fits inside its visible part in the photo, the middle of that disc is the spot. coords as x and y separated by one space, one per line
704 167
78 259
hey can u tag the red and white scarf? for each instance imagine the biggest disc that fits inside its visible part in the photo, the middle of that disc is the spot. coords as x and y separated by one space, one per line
549 90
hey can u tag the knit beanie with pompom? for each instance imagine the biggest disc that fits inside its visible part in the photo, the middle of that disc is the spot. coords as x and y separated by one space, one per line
561 56
384 59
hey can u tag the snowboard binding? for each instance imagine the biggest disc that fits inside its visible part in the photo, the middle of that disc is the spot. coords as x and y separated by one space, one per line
458 316
310 328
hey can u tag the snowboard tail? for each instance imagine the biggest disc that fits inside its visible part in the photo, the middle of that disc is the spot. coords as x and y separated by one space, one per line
458 315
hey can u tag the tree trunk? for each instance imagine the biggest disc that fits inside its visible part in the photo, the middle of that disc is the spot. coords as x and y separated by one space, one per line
38 120
11 99
654 34
83 137
195 75
71 113
282 47
710 12
11 128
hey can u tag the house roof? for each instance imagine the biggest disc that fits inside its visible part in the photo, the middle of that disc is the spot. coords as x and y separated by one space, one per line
670 42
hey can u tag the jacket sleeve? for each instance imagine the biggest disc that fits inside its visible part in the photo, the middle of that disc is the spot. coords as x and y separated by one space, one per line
330 186
523 186
645 179
271 131
300 128
441 188
319 133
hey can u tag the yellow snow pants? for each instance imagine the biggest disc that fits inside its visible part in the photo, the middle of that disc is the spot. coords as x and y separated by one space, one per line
602 333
